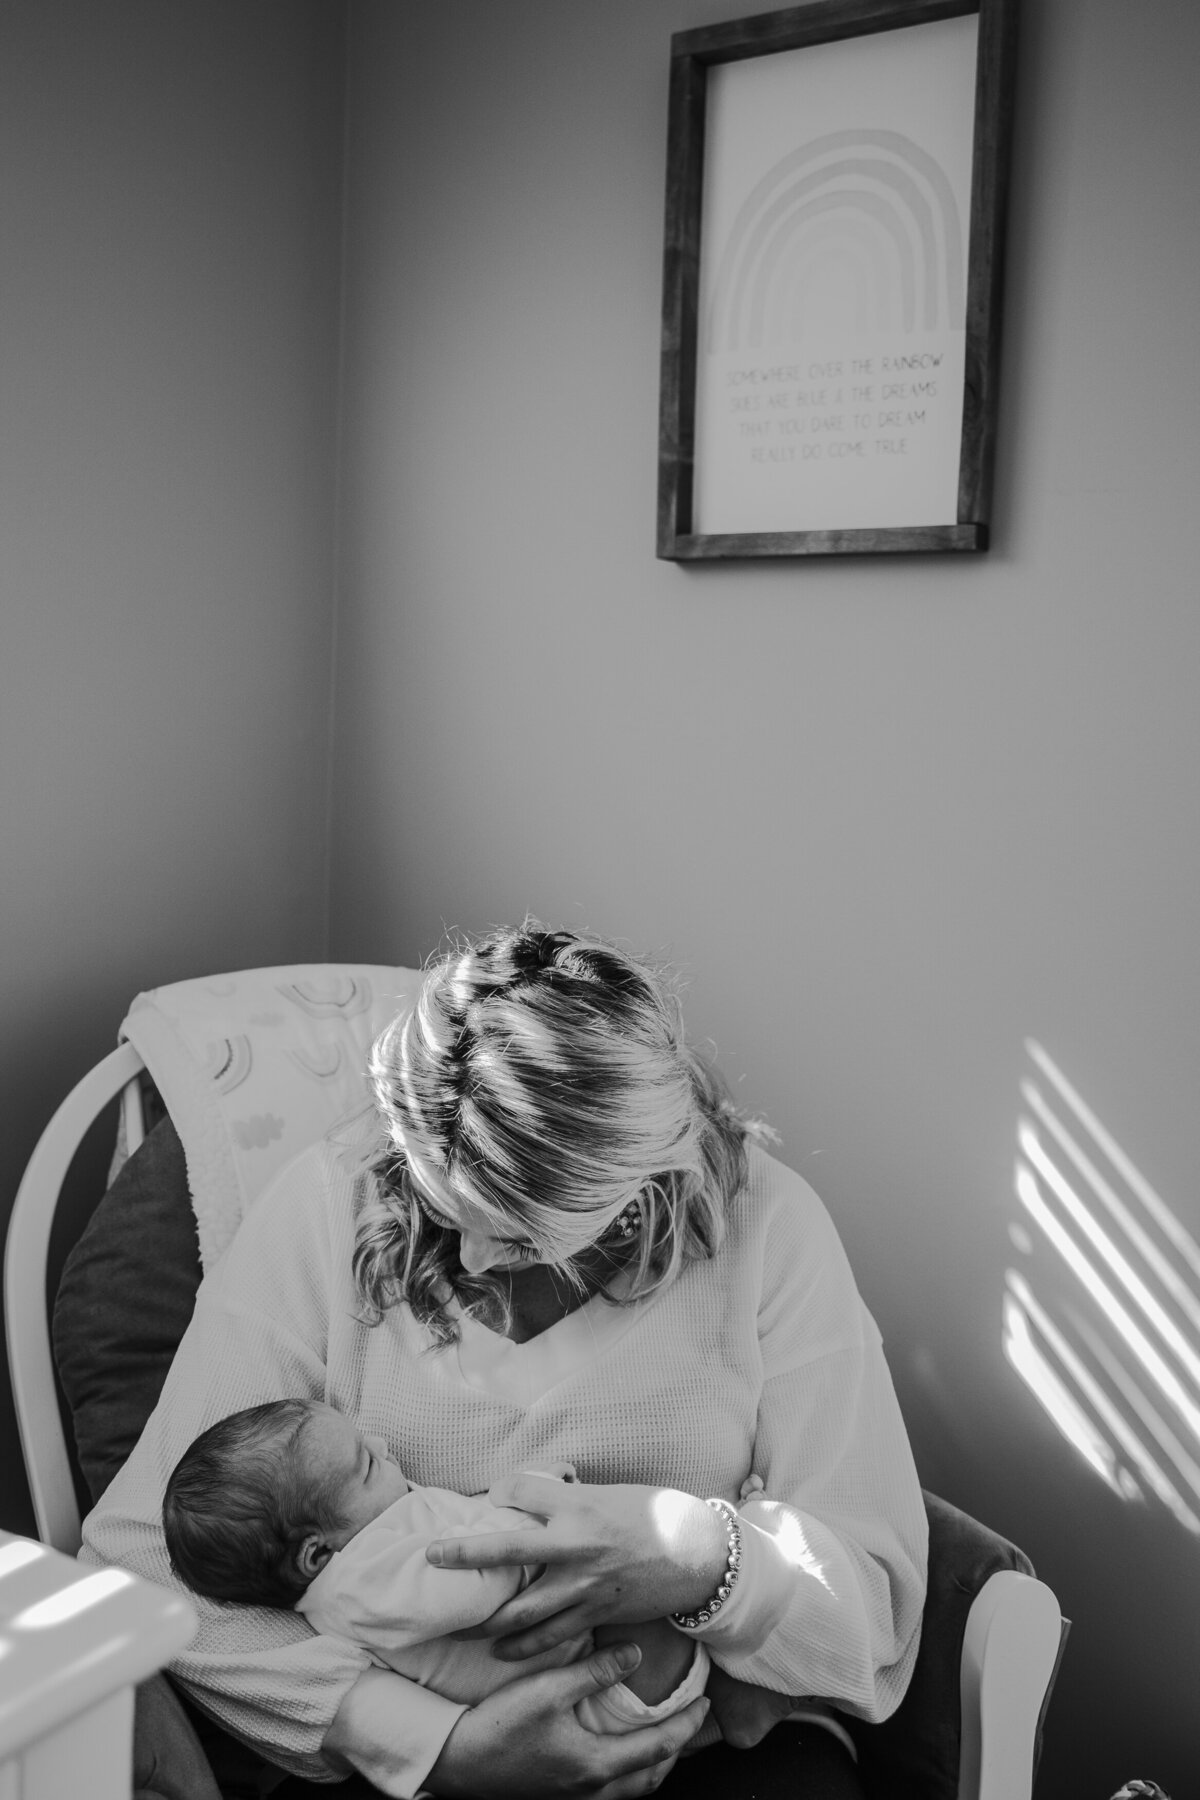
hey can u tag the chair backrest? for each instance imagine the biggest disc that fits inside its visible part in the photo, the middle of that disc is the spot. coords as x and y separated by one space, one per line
26 1255
298 1036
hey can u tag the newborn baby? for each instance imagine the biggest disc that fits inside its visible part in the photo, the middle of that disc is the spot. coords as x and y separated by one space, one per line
289 1504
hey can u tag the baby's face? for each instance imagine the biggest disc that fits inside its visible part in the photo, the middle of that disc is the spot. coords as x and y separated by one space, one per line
360 1472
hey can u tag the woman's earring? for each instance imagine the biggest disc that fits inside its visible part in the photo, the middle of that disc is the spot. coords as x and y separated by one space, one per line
629 1220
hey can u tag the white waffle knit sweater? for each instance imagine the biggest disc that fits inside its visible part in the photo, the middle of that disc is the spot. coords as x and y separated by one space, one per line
763 1358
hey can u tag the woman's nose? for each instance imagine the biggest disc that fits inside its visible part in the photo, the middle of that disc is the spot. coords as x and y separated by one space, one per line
477 1252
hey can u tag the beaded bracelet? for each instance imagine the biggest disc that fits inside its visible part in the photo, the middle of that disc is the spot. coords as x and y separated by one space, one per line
689 1621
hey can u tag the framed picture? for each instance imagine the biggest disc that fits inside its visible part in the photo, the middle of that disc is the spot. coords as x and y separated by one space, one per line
836 187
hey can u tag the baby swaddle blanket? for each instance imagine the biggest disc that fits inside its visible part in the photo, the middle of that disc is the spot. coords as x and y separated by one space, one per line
255 1066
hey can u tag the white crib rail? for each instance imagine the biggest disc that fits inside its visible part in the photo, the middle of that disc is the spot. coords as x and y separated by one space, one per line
74 1642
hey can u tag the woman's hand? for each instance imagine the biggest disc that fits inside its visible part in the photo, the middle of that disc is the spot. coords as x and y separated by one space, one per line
611 1553
525 1739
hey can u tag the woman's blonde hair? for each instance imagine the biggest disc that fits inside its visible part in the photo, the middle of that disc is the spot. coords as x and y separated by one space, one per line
543 1081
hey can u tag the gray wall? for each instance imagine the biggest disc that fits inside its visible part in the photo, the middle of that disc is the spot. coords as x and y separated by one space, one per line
895 817
169 209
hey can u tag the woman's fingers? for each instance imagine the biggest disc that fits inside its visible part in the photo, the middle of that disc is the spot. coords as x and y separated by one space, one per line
649 1743
646 1781
602 1669
521 1639
557 1471
540 1495
490 1549
536 1493
525 1739
552 1593
642 1759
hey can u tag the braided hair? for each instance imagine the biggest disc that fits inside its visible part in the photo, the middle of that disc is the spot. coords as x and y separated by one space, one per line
543 1082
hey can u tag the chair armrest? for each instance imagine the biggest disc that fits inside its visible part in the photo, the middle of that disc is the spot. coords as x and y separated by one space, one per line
1011 1649
916 1753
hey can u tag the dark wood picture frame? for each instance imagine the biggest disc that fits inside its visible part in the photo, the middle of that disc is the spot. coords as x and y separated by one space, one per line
693 53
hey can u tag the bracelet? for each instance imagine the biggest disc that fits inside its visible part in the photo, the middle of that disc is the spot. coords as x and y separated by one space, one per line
689 1621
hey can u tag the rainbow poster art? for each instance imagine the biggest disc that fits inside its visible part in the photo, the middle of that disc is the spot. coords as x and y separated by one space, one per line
831 329
833 262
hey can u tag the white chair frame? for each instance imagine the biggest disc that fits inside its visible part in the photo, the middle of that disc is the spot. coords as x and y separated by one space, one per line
66 1724
1014 1630
26 1254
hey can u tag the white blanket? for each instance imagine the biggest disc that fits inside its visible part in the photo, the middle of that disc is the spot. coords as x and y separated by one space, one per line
255 1066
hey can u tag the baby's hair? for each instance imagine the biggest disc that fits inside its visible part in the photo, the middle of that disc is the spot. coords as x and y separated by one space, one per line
239 1504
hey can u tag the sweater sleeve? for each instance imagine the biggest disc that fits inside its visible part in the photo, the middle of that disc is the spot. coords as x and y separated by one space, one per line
259 1332
832 1581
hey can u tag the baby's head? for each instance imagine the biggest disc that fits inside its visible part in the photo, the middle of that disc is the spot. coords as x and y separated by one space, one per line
261 1500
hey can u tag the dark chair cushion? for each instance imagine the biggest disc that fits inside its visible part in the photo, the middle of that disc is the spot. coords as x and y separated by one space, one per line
914 1755
124 1301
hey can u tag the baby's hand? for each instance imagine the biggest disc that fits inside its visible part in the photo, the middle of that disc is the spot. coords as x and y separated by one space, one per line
751 1486
557 1471
744 1713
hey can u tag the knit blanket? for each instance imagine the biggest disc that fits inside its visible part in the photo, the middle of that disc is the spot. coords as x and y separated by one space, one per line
255 1066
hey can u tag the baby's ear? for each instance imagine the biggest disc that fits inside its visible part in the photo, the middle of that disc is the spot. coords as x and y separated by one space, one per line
312 1553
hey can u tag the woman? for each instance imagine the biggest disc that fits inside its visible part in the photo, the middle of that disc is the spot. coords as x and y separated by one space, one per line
561 1243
